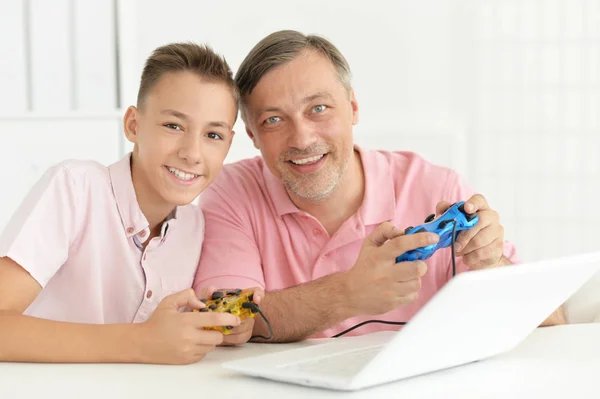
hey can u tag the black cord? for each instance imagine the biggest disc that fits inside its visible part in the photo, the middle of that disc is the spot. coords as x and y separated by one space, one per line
401 323
255 308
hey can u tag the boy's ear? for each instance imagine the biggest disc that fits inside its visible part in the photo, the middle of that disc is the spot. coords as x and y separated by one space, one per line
130 124
253 138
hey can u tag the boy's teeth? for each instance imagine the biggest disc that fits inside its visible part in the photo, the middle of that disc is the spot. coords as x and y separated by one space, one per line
182 175
307 160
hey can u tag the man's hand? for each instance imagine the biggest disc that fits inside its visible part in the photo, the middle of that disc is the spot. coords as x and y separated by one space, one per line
481 246
376 283
242 333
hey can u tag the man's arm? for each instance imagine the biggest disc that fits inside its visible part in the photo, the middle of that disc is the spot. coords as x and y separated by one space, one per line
297 313
558 317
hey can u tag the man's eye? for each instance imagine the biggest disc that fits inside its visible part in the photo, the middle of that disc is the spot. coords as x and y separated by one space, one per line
173 126
215 136
273 119
319 108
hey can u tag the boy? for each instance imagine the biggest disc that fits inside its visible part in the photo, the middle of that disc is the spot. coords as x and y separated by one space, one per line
97 262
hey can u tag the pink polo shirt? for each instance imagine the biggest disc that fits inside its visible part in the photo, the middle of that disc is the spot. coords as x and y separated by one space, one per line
79 233
256 236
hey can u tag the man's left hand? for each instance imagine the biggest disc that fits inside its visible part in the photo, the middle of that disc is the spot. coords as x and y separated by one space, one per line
481 246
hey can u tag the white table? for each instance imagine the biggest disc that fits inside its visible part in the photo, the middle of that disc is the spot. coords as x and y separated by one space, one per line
554 362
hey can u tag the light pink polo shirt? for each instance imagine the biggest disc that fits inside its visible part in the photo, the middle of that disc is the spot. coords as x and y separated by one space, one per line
255 235
76 234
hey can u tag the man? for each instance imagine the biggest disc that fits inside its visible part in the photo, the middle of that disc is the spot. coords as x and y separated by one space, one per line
317 221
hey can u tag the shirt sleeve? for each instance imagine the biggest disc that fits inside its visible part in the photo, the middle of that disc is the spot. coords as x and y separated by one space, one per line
40 232
459 190
230 255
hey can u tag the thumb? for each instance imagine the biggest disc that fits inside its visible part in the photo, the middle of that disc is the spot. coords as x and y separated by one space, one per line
182 299
441 207
384 232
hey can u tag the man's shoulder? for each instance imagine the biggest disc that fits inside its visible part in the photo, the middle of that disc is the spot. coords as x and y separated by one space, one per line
406 165
240 175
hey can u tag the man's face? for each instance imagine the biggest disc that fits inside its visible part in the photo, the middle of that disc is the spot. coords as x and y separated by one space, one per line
300 117
182 134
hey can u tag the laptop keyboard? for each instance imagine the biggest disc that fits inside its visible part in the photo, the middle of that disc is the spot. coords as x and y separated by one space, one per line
340 364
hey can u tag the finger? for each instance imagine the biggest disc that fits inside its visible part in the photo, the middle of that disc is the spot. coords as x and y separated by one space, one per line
405 288
399 245
208 337
258 294
487 256
475 203
384 232
237 338
407 271
182 299
441 207
202 349
486 218
212 319
482 239
206 292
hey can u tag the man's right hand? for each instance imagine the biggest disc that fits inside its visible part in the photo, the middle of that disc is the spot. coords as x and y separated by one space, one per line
170 336
376 283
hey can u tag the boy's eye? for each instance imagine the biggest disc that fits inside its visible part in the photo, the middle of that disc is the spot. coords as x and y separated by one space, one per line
173 126
273 119
319 108
215 136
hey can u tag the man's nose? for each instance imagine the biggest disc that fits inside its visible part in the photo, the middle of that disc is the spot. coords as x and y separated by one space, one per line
302 135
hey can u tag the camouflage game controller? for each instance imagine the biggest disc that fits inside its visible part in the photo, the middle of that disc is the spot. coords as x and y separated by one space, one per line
454 219
237 302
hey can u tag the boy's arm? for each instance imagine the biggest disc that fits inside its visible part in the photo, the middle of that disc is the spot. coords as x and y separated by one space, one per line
168 337
30 339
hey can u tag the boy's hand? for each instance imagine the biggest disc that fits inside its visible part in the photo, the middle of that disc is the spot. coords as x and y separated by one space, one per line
173 337
242 333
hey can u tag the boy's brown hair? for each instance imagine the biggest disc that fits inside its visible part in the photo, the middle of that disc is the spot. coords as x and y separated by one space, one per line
181 57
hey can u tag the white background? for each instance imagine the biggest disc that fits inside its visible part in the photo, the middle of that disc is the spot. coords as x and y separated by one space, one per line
505 91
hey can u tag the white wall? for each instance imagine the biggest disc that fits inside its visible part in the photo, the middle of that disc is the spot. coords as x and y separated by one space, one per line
507 92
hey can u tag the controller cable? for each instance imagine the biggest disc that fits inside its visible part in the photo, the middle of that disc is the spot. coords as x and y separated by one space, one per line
401 323
255 309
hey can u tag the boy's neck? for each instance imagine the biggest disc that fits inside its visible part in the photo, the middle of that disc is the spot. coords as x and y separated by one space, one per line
154 208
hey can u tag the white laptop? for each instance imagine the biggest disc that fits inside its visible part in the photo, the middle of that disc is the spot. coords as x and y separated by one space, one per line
476 315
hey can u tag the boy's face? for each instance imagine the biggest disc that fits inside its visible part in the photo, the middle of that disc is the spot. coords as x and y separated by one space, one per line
182 134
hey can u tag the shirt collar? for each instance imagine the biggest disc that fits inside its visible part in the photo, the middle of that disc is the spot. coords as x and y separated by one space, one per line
379 201
132 218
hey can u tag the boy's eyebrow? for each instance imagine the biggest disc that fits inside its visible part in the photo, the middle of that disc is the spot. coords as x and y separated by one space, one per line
184 117
219 124
176 114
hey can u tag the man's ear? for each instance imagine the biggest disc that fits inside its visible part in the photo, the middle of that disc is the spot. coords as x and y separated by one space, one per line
130 124
253 138
354 105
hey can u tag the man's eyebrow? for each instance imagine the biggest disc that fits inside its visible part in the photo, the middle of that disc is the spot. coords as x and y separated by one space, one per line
176 114
320 95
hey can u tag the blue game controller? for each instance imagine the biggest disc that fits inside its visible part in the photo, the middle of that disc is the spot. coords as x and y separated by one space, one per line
441 226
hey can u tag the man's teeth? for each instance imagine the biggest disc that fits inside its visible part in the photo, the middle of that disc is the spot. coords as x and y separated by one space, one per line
182 175
307 160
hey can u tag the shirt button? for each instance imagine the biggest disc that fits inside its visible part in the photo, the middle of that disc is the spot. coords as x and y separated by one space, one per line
130 230
317 232
143 233
304 217
149 294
